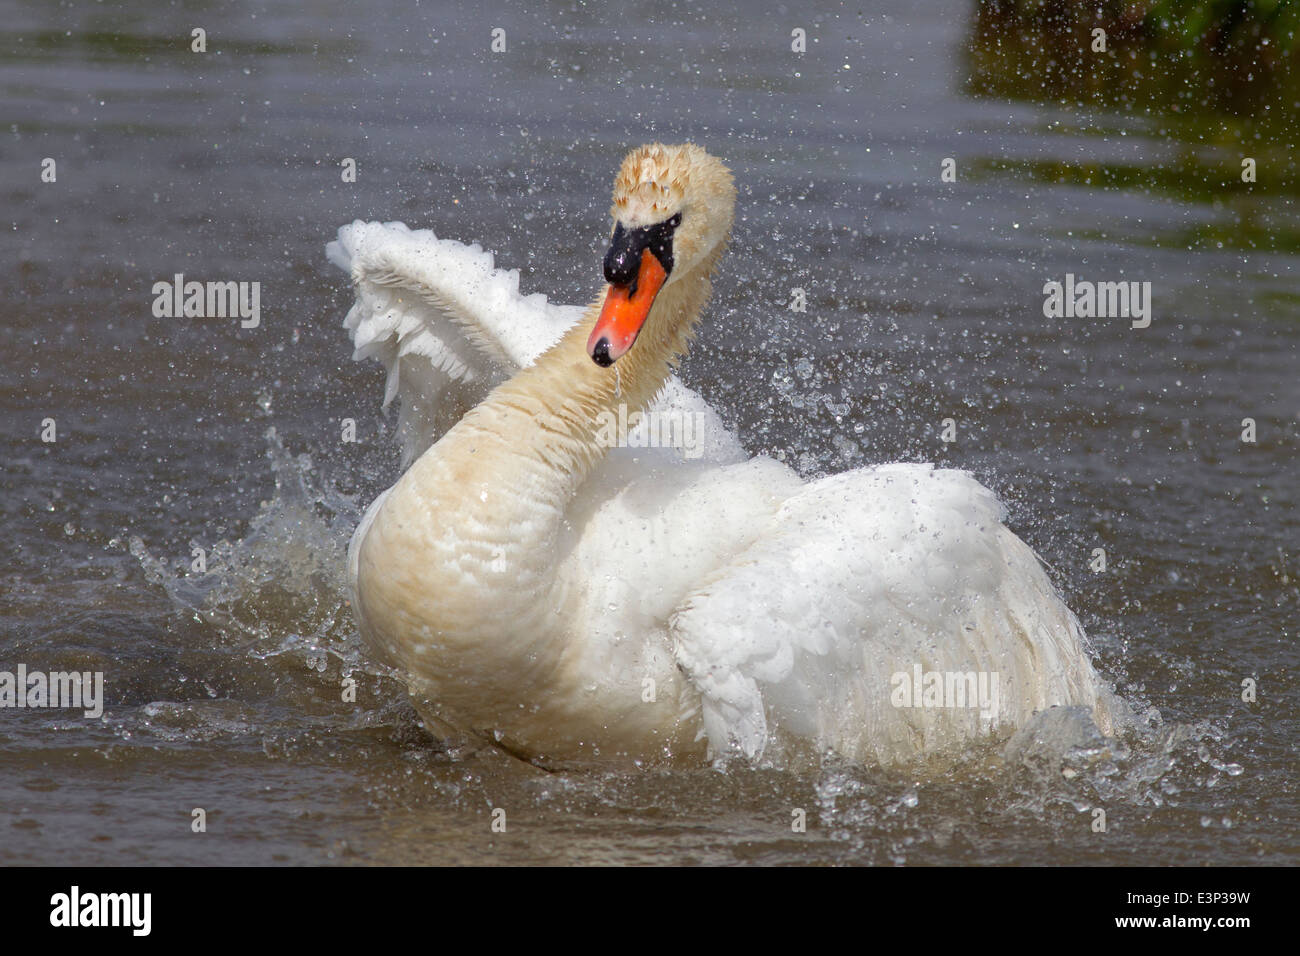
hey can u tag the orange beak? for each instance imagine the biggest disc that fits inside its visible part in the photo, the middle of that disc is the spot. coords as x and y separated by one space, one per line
625 311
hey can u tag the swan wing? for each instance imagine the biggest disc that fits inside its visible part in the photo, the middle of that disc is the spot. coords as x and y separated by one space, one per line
860 578
444 321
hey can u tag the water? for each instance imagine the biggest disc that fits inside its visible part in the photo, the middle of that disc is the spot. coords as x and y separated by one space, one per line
924 303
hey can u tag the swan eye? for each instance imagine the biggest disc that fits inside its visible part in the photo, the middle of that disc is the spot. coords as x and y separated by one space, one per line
675 221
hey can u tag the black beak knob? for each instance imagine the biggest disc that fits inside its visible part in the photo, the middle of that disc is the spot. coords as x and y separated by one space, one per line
623 258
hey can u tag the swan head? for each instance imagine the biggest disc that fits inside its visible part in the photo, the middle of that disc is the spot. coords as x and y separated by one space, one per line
673 209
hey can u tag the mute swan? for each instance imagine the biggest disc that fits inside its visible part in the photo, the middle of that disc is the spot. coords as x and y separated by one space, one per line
570 602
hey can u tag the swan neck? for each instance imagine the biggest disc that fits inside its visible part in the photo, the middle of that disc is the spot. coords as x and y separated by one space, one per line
568 400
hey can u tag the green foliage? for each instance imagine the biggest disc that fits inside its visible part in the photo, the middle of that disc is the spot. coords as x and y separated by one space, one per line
1232 58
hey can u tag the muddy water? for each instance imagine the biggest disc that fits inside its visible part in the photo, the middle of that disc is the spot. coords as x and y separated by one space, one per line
924 303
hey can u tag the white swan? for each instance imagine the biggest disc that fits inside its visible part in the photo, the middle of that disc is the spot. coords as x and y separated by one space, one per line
572 603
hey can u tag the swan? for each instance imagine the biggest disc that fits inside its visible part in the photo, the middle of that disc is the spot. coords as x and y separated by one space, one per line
571 602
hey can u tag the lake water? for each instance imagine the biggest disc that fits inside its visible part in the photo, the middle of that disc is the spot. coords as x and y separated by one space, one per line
925 302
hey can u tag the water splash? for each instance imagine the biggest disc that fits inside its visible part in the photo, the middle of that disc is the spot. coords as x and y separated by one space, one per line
282 587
